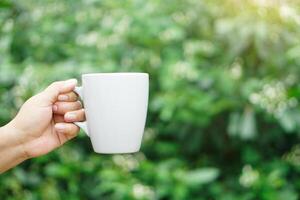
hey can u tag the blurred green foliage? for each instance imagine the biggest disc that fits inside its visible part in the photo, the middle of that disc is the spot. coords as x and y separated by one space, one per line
223 121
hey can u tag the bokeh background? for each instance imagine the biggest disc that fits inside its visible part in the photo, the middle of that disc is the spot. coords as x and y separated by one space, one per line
224 118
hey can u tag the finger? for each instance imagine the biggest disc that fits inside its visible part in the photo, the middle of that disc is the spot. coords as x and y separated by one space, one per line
71 96
75 116
52 91
66 131
64 107
58 118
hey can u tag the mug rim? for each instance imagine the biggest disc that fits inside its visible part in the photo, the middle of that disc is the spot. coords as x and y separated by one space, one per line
114 74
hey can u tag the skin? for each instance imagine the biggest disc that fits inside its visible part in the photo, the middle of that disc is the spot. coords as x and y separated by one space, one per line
43 124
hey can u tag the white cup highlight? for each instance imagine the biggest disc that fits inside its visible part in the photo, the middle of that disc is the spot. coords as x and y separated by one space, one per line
115 108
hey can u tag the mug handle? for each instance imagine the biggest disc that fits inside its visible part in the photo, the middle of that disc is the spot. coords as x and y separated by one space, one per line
82 125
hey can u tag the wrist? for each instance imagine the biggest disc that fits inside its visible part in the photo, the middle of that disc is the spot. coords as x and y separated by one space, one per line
11 150
16 140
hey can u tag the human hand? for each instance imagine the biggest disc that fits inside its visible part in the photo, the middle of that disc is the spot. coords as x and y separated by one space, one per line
45 120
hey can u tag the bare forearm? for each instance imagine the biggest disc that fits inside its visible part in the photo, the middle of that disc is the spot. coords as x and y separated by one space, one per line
11 150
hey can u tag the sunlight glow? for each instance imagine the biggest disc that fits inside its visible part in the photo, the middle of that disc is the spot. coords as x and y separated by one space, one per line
266 2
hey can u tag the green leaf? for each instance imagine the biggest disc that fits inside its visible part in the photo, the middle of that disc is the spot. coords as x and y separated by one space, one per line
234 124
5 4
201 176
248 124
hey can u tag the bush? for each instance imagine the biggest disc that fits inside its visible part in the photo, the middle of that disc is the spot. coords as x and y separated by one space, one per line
223 120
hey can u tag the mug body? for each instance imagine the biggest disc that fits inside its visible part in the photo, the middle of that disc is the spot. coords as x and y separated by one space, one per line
116 108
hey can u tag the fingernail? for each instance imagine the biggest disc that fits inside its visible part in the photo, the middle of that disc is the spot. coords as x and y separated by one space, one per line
63 97
60 127
70 82
70 116
54 108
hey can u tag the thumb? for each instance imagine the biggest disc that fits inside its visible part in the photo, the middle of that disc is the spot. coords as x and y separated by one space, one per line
52 91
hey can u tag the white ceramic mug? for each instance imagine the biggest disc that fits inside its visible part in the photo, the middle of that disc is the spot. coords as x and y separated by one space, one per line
115 108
